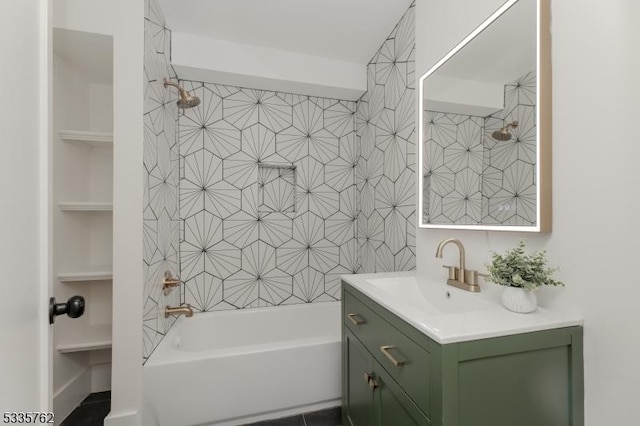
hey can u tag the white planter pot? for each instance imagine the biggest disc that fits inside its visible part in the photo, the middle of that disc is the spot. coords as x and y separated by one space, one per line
519 300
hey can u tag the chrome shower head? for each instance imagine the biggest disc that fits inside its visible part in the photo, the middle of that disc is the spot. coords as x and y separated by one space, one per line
503 134
187 100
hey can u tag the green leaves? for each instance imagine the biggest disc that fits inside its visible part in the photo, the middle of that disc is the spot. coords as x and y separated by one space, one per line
517 269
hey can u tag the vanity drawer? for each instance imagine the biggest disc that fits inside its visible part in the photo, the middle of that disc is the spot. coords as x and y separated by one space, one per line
361 320
403 359
406 362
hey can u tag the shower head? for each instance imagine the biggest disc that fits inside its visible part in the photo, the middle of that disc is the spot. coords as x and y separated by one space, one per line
503 134
187 100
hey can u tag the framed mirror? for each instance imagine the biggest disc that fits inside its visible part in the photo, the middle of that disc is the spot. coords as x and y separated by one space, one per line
485 126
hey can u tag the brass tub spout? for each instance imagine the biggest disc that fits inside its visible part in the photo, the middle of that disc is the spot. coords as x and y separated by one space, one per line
179 310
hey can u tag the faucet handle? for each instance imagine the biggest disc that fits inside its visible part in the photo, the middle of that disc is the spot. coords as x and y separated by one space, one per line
454 271
169 282
471 276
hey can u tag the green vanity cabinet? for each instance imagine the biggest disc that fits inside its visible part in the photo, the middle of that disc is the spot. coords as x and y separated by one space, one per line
358 373
394 375
371 396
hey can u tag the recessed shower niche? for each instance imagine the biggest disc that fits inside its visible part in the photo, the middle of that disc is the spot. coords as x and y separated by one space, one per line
276 188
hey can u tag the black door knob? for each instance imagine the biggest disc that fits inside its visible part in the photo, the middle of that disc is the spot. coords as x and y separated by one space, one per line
74 308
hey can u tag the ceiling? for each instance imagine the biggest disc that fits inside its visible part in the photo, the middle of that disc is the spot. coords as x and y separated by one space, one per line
346 30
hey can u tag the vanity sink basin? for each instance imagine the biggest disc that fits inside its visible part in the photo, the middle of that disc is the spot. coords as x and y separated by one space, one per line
449 315
431 299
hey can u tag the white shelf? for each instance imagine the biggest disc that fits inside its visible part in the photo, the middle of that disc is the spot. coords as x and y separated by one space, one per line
98 274
87 338
95 139
85 206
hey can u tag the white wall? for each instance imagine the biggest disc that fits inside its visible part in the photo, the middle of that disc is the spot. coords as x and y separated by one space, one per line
596 198
126 397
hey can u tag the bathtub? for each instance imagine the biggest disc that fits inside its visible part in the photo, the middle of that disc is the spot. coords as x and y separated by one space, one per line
241 366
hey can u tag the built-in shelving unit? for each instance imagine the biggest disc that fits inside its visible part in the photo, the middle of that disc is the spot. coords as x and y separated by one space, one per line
86 338
81 209
83 167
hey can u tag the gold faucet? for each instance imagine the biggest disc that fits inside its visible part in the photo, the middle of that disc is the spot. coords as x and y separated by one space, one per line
459 276
179 310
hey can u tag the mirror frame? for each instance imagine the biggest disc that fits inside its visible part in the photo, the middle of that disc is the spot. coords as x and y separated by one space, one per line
543 124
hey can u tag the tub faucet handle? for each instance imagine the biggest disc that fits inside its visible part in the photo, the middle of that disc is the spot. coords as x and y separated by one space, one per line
169 282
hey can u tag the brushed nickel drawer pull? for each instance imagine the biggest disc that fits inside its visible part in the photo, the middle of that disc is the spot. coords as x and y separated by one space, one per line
385 351
355 320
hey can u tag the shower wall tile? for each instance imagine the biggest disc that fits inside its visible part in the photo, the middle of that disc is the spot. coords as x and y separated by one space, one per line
353 185
161 162
267 197
385 174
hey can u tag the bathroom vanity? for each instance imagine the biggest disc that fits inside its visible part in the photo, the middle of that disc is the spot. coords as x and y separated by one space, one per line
434 355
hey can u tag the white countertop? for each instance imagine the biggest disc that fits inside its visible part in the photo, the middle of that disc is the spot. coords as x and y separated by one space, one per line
449 315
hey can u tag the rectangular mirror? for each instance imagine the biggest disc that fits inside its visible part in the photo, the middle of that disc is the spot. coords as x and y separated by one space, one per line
485 126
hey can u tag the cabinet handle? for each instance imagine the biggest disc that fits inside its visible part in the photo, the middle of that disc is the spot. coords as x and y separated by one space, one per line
373 384
394 361
371 381
355 320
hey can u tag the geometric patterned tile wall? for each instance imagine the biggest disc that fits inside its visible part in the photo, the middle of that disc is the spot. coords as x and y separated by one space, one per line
160 158
267 197
385 174
469 177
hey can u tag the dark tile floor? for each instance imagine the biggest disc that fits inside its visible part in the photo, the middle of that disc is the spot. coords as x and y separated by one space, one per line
328 417
95 407
91 411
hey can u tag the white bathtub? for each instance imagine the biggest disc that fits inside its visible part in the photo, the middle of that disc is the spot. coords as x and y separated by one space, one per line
241 366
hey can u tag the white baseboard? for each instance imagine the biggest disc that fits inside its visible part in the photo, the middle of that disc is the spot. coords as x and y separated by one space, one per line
101 377
128 418
71 394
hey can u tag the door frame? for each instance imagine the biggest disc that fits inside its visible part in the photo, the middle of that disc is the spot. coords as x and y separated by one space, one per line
45 202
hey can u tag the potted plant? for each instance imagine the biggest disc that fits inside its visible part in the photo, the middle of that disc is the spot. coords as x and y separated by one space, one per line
520 273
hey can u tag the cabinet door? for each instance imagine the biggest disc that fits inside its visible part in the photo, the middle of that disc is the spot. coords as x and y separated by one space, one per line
357 404
520 388
393 406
